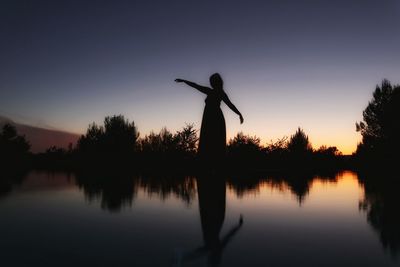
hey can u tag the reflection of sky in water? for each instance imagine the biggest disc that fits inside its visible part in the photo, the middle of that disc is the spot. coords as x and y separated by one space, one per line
47 220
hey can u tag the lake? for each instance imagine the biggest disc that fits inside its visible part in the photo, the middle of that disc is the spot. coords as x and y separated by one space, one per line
62 219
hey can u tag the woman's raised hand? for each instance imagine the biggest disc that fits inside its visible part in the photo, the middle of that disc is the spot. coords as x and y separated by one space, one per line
241 118
178 80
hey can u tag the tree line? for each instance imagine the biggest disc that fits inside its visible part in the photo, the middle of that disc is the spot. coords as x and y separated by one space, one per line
117 142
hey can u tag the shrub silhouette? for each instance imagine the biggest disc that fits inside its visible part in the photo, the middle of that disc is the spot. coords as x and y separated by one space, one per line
299 143
114 141
120 135
160 143
245 150
244 144
168 148
278 147
89 144
380 128
60 151
14 148
187 139
325 151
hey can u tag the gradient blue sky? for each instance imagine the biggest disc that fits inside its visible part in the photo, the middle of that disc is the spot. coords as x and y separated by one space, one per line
314 64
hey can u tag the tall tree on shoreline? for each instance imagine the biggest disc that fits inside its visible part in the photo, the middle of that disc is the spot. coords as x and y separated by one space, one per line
380 128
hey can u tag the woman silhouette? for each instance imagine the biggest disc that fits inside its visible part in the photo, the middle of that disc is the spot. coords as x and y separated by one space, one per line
213 133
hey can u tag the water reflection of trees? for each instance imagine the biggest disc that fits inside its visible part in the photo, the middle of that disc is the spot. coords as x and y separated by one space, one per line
297 183
114 190
382 205
117 190
166 185
8 180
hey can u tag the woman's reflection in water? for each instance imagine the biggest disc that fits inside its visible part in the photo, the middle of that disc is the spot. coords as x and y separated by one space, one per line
212 194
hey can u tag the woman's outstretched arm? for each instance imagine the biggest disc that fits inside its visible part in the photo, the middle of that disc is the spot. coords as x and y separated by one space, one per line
228 102
203 89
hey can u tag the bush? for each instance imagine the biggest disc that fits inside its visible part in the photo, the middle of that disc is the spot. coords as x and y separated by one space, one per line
160 143
116 140
14 148
299 143
245 150
167 148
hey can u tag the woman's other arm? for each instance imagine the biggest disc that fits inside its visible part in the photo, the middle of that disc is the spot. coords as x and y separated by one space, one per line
228 102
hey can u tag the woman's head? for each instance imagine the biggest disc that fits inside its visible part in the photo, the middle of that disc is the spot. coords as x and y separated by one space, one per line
216 81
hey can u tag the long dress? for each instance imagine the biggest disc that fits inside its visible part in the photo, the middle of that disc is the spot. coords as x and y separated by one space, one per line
212 142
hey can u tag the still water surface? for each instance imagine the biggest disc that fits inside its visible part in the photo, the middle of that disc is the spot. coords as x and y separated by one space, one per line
60 219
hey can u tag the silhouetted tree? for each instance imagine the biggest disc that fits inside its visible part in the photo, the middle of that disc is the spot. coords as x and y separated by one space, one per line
246 144
56 150
115 141
161 143
278 147
166 148
187 139
120 135
380 128
325 151
328 158
91 141
56 158
13 147
299 143
245 150
276 154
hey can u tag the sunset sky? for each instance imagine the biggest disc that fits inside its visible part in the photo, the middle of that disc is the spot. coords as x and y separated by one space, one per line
285 64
